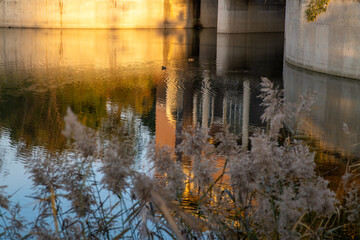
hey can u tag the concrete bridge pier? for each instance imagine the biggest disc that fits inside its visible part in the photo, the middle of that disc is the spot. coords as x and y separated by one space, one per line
208 13
248 16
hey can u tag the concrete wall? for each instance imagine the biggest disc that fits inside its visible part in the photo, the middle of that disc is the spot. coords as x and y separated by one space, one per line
235 16
244 16
96 13
331 44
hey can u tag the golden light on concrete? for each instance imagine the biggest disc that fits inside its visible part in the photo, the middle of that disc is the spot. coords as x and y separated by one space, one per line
95 13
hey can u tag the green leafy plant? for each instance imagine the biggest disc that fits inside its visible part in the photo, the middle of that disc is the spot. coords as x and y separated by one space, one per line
315 8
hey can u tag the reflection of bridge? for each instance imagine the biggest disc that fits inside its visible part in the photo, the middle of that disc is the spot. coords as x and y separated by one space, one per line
227 15
225 94
206 107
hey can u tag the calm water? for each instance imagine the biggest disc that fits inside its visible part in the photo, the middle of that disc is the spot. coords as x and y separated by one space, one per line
338 102
210 80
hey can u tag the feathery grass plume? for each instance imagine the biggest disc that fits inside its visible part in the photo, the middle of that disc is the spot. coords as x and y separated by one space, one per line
276 110
148 190
300 110
69 175
307 100
228 145
195 143
345 128
242 177
281 179
84 137
196 146
143 186
352 203
284 194
270 191
203 171
117 160
46 174
117 155
70 179
172 176
290 211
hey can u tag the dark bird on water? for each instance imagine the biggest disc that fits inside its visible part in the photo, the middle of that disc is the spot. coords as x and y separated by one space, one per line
163 68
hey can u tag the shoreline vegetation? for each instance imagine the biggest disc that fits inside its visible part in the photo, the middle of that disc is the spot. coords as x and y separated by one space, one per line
267 191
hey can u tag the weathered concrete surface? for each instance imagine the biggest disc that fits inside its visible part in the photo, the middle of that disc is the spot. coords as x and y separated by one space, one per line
97 13
331 44
338 102
209 13
244 16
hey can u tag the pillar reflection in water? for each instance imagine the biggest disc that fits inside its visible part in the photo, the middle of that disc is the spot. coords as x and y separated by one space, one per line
44 71
99 73
338 102
241 60
259 54
93 70
206 100
246 111
213 89
195 109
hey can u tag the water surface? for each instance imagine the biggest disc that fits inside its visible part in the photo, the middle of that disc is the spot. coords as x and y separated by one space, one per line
158 82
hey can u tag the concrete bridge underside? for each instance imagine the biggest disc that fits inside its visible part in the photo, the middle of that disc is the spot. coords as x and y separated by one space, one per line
229 16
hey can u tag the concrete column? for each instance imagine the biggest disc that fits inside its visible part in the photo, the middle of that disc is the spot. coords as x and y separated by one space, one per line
330 44
209 13
244 16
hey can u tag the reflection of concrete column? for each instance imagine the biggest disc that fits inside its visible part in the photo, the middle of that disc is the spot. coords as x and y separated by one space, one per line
222 53
206 99
174 98
195 109
246 110
165 130
337 102
225 103
212 111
